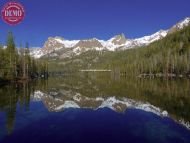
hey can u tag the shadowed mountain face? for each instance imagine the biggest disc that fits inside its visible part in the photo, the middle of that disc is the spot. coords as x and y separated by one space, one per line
91 43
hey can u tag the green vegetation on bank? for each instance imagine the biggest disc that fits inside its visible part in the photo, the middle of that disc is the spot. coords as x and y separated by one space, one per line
168 56
16 63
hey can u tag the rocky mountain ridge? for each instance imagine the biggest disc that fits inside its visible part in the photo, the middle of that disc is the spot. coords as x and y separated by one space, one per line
62 48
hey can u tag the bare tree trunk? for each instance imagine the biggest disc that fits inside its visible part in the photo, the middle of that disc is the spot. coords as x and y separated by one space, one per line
15 68
24 65
27 70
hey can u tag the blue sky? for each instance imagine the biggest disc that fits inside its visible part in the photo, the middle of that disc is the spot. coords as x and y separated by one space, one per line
82 19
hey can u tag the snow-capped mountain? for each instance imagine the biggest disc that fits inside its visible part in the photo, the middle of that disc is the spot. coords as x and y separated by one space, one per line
59 47
180 25
57 102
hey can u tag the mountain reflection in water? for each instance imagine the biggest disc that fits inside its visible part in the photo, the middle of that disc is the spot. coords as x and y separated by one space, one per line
21 104
58 102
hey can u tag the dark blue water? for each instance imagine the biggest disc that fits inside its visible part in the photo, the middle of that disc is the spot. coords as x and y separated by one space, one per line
37 125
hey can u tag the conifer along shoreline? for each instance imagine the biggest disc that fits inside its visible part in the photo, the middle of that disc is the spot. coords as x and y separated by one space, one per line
16 64
168 57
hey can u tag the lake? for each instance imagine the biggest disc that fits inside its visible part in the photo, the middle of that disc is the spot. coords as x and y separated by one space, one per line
95 108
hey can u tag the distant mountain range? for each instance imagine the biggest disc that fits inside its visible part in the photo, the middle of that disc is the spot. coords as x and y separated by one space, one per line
58 47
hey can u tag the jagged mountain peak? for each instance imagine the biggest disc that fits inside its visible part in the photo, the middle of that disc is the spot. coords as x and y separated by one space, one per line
118 39
122 35
64 42
52 44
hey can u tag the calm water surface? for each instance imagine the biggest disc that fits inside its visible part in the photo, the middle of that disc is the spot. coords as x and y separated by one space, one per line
96 109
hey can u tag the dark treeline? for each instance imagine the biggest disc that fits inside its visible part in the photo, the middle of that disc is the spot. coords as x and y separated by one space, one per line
167 57
17 64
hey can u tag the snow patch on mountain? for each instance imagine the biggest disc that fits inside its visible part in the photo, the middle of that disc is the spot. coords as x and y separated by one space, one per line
67 104
118 42
183 23
36 52
67 43
149 39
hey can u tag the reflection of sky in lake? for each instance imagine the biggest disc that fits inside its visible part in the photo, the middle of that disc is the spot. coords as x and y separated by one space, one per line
86 125
80 109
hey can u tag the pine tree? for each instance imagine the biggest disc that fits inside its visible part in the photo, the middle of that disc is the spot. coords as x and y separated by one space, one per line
12 55
28 60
